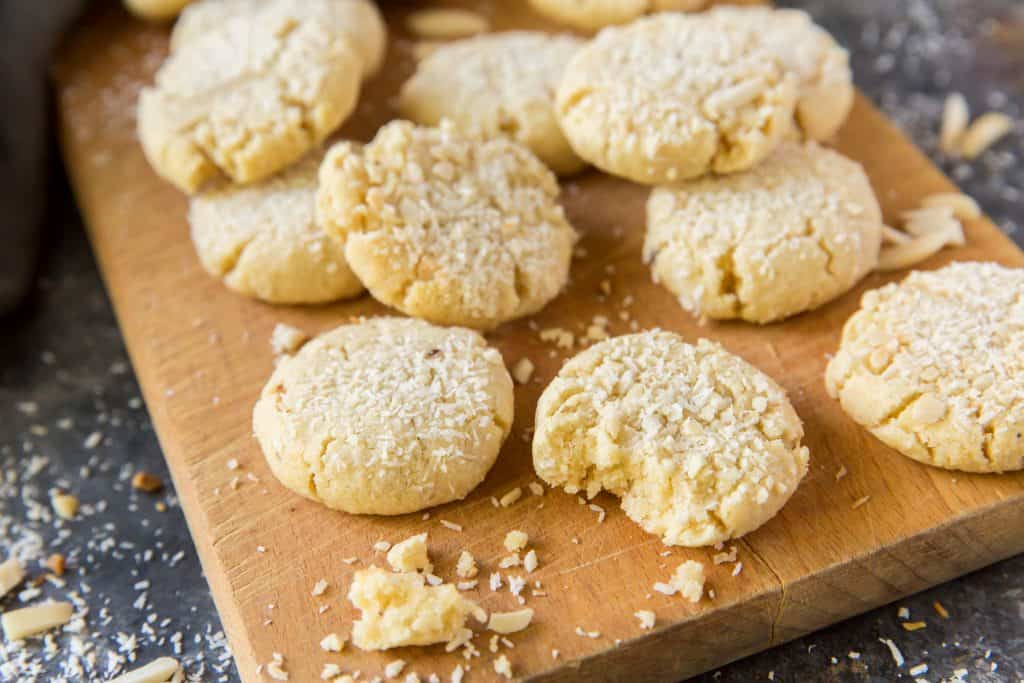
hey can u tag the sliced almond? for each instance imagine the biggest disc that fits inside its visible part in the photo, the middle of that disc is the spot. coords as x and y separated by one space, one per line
65 505
986 131
144 481
894 236
955 116
899 256
29 621
962 206
157 671
510 622
437 24
11 574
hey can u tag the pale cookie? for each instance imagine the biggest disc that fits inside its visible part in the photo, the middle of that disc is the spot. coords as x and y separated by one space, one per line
675 96
590 15
452 229
497 84
359 20
248 98
701 446
263 239
155 10
934 367
785 237
386 416
825 94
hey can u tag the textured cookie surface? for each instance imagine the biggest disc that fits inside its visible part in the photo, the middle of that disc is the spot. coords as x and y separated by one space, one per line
455 230
497 84
825 94
934 367
248 98
590 15
792 233
675 96
701 446
359 20
264 242
386 416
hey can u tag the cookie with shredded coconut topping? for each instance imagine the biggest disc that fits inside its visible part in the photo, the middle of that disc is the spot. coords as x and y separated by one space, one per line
497 84
700 445
358 20
934 367
248 98
825 93
590 15
446 227
263 240
675 96
785 237
386 416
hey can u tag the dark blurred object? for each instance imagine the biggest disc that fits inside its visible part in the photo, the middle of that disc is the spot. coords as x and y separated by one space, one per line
29 31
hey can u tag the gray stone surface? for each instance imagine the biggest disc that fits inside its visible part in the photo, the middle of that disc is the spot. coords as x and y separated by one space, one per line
64 375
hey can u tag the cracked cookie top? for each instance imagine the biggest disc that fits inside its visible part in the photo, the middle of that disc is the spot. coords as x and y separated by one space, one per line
934 367
700 445
785 237
675 96
453 229
263 240
248 98
386 416
497 84
825 92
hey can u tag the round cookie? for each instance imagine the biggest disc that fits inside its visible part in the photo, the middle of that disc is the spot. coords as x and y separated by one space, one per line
497 84
590 15
825 94
249 98
452 229
784 237
155 10
263 239
386 416
934 367
675 96
700 445
359 20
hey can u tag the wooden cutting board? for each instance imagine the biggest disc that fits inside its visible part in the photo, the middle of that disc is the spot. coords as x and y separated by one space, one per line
202 354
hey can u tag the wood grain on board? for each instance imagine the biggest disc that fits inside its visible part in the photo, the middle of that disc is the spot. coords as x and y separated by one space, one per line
202 354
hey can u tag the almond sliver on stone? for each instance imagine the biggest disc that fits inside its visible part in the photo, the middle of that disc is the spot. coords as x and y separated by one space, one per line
984 132
157 671
29 621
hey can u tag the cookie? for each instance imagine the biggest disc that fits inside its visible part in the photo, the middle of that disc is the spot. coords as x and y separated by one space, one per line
263 240
449 228
497 84
934 367
675 96
385 416
701 446
784 237
590 15
249 98
155 10
822 66
359 20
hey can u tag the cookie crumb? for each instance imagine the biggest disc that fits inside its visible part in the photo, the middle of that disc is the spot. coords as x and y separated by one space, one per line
523 370
516 540
646 618
332 642
287 339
